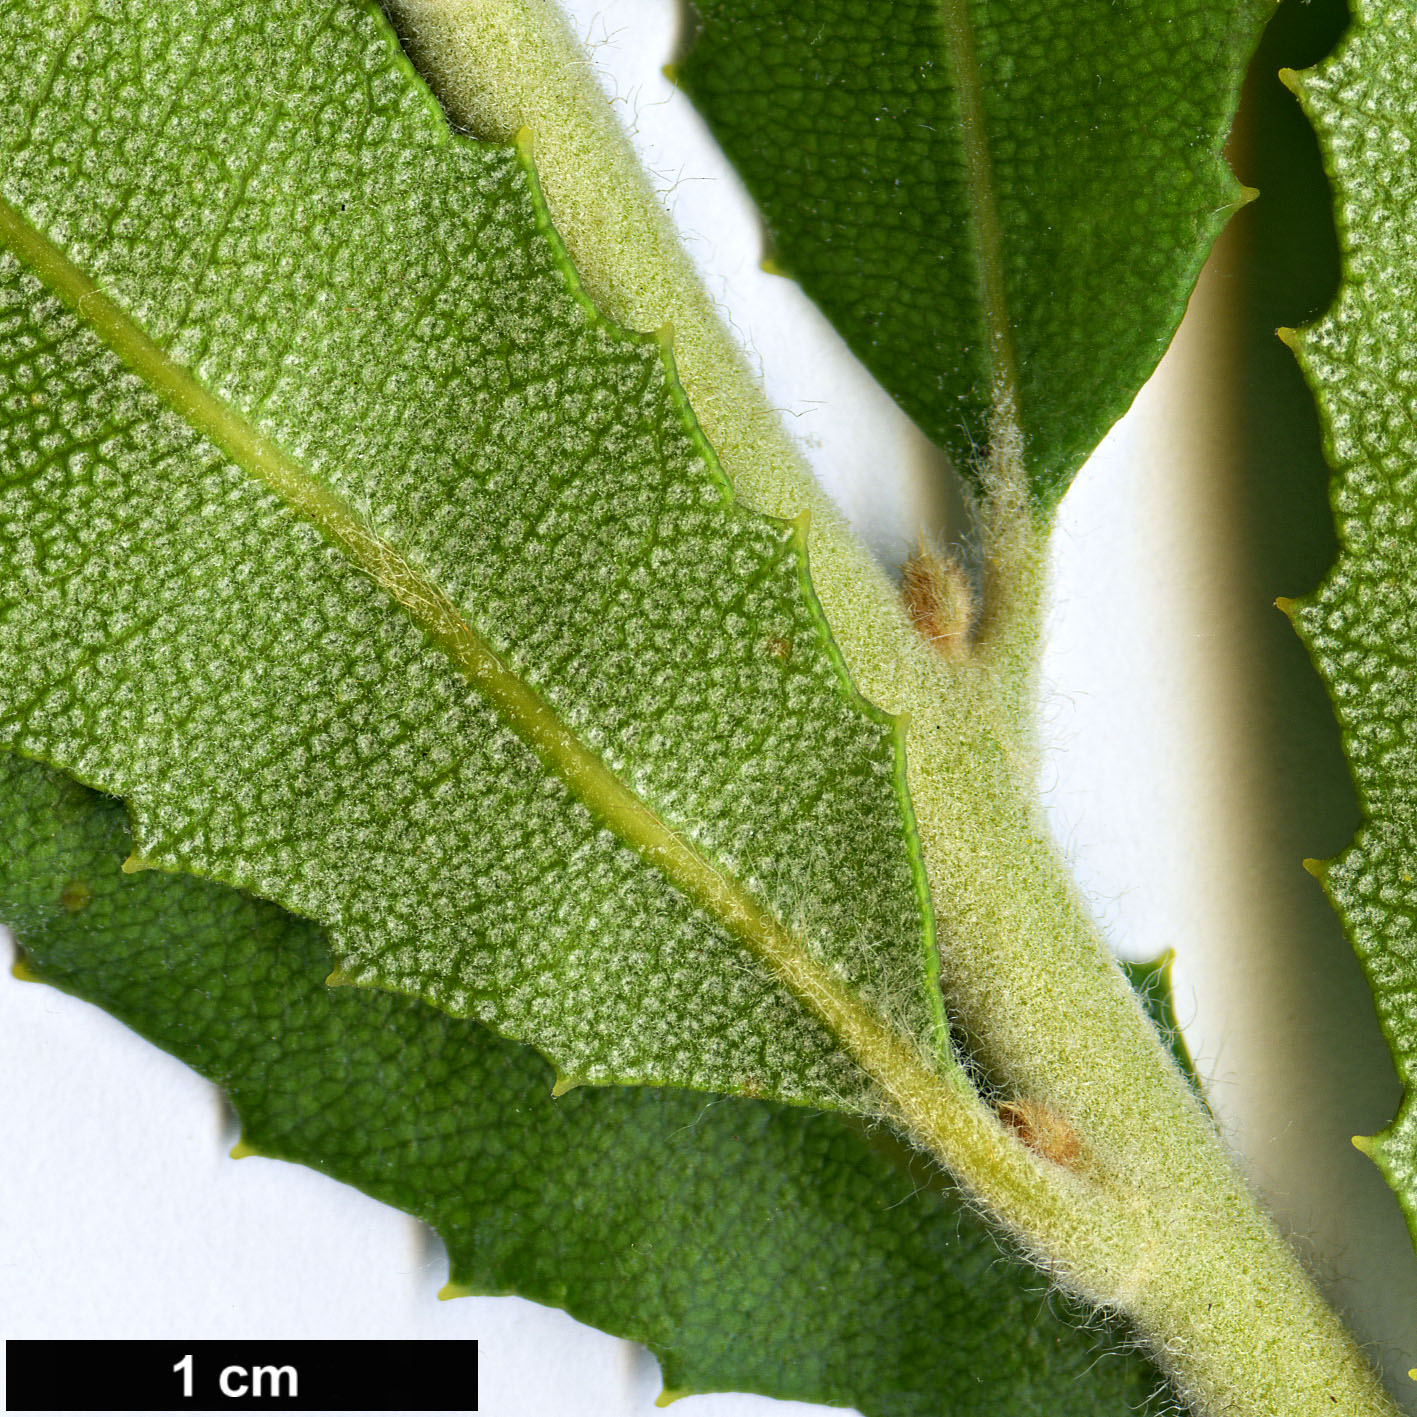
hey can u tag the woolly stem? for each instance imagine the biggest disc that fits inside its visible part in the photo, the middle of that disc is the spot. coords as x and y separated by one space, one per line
1148 1217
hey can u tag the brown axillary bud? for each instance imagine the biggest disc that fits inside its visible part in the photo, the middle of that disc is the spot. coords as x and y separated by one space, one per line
940 600
1041 1129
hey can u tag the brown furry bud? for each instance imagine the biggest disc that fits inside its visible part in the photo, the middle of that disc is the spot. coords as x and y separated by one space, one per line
1042 1130
941 603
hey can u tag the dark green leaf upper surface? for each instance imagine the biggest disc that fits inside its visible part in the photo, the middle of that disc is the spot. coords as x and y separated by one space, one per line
381 576
1361 624
753 1246
987 197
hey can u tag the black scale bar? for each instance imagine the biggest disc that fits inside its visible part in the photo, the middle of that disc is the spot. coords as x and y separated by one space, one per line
115 1375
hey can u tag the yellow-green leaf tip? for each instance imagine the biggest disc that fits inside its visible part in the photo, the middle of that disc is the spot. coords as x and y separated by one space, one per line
771 266
21 970
1289 337
453 1290
1314 867
670 72
563 1085
135 863
242 1150
672 1394
1366 1145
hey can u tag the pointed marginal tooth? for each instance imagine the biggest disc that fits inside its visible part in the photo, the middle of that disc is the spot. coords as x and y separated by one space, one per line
242 1150
670 72
22 970
1315 867
565 1084
136 863
672 1394
338 979
771 266
525 143
1289 337
1367 1145
454 1290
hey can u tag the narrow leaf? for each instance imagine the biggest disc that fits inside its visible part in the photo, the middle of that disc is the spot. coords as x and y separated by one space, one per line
836 1274
1360 359
385 578
1002 207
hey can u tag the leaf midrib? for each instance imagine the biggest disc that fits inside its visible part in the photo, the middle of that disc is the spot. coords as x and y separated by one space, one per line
885 1055
984 212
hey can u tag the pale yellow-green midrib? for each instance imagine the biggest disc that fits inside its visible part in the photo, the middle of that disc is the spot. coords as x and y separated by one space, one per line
941 1110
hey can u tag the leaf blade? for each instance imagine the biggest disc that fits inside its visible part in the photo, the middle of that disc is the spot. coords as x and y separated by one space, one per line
1060 174
634 616
1356 623
866 1285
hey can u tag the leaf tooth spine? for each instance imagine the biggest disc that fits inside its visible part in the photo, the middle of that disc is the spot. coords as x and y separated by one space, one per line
338 979
770 265
566 1083
242 1150
454 1290
22 970
670 1395
1367 1145
135 863
1316 868
1289 337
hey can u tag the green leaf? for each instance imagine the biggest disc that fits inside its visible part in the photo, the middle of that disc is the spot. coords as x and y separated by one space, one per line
383 577
1359 623
1151 978
1002 207
836 1273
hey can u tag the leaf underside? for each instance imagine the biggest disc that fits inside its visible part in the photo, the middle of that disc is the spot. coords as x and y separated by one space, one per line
384 578
980 193
753 1246
1361 623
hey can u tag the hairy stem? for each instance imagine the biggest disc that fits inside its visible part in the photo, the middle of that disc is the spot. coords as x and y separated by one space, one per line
1149 1218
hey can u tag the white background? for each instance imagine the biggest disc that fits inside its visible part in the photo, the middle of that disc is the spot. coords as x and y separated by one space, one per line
120 1214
